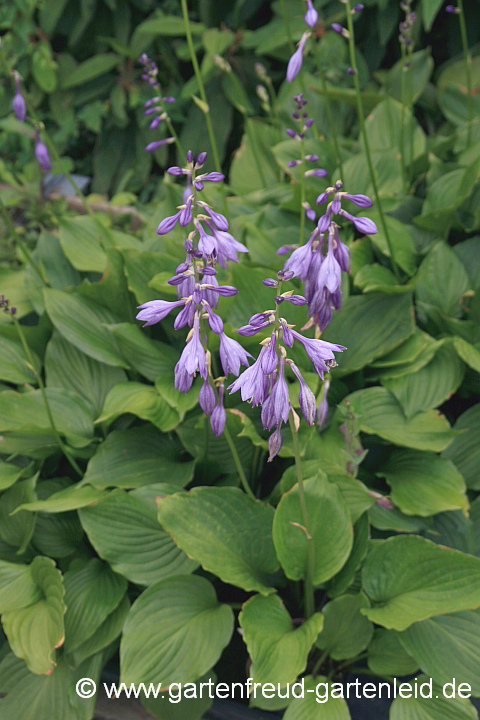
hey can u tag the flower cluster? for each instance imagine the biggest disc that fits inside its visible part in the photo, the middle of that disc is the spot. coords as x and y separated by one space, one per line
4 304
296 61
322 272
156 105
198 291
406 27
264 383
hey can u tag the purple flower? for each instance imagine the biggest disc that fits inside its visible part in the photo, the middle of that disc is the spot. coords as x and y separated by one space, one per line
219 414
207 398
168 223
452 9
322 198
324 222
308 403
232 355
212 177
227 245
288 338
360 200
291 133
151 147
363 224
215 321
295 299
330 275
19 105
220 220
224 290
270 282
320 352
299 261
192 359
296 61
280 399
252 382
322 410
340 30
311 16
185 316
154 311
269 360
41 153
275 442
318 172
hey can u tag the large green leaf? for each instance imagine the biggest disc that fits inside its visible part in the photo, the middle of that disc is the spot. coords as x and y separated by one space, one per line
67 367
18 587
17 530
90 69
9 474
35 630
278 650
317 702
175 632
370 326
346 632
92 592
82 322
443 280
430 386
105 634
185 705
464 451
405 353
135 457
329 524
70 498
125 532
228 533
469 353
430 9
420 69
141 400
436 706
400 237
423 483
14 363
387 656
343 579
150 357
447 647
81 241
381 414
27 411
409 578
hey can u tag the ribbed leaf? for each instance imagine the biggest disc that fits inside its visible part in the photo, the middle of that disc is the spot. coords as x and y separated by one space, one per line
9 474
434 707
228 533
317 707
17 530
135 457
387 656
330 526
141 400
35 631
346 632
278 650
125 532
81 241
70 498
412 579
82 322
14 363
464 451
423 483
175 632
381 414
151 358
92 593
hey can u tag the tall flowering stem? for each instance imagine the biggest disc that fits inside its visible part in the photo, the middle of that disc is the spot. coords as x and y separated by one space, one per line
468 69
361 118
308 590
331 121
238 463
203 95
402 124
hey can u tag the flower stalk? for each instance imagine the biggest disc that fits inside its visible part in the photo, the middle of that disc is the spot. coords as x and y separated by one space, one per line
468 69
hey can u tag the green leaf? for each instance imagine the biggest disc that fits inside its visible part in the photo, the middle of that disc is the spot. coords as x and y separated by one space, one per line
413 579
105 634
377 278
17 531
381 414
14 363
125 532
278 650
82 323
321 700
383 127
430 10
421 68
35 631
18 588
81 241
406 353
66 367
92 592
175 632
229 534
468 352
346 632
135 457
71 498
330 526
385 519
149 357
431 386
434 707
179 401
90 69
464 451
423 483
44 68
457 636
9 474
72 415
407 368
387 656
442 281
400 237
140 400
370 326
343 579
236 93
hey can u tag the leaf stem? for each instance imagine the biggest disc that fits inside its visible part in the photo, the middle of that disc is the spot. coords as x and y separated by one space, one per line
203 95
468 69
41 385
238 463
361 119
308 589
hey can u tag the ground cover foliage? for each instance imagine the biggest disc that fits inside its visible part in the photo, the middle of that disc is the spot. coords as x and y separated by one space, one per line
140 525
